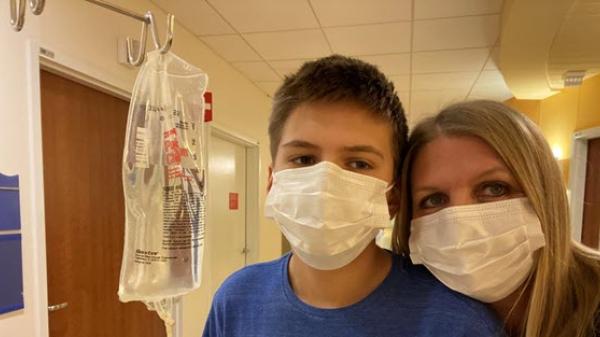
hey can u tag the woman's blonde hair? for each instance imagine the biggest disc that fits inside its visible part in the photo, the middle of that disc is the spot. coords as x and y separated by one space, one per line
564 287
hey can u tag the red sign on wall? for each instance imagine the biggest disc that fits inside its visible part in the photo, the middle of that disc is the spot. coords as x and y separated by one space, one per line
233 200
208 110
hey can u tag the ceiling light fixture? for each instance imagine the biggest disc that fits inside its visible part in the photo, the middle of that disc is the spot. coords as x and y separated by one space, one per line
573 78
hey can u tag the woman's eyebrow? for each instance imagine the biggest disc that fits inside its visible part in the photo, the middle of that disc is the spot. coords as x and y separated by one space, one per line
493 170
427 189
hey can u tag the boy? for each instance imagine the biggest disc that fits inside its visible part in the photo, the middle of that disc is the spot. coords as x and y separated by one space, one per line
337 132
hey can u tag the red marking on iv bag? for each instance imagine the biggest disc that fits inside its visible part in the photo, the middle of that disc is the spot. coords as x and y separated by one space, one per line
208 102
172 150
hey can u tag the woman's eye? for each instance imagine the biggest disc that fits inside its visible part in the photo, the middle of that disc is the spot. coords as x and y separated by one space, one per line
360 165
433 201
494 190
304 160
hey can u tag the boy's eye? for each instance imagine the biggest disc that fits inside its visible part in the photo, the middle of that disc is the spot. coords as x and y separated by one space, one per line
303 160
433 201
494 190
360 165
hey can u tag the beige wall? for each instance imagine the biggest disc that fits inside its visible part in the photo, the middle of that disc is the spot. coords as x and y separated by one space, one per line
84 37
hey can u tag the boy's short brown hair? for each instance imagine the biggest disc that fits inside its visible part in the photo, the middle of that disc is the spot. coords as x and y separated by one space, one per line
340 79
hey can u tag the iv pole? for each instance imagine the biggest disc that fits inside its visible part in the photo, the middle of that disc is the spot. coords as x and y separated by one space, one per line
147 20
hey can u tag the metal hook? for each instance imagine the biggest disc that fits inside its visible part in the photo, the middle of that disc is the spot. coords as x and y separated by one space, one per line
37 6
17 14
147 20
169 38
150 21
142 48
17 11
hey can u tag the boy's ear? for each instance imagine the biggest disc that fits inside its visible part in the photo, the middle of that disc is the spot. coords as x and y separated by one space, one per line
393 198
270 178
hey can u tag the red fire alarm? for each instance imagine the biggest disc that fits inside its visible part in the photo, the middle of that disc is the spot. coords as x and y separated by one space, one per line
233 200
208 110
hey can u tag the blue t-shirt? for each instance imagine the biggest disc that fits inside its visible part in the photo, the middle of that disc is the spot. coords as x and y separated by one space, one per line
258 301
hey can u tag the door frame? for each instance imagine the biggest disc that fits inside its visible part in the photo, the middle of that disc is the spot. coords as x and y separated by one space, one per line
252 183
577 175
37 229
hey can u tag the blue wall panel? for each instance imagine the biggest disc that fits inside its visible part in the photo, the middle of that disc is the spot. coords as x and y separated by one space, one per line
10 217
11 264
11 273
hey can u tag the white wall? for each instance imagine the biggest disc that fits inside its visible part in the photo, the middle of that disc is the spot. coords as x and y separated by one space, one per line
83 37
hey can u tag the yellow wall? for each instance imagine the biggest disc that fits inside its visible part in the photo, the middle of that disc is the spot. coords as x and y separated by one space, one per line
531 108
559 116
558 119
588 115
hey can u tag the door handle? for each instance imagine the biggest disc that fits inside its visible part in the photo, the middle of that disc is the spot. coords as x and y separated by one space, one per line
57 307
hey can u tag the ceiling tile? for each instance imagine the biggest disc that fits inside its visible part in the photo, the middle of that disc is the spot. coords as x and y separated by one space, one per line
490 77
269 87
289 45
266 15
450 60
414 117
287 67
404 97
353 12
426 9
500 93
491 85
466 32
401 83
410 121
370 39
439 81
494 60
257 71
427 103
197 16
392 64
231 47
422 109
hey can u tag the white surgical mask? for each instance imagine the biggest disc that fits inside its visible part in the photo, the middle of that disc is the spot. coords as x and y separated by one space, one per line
328 214
484 251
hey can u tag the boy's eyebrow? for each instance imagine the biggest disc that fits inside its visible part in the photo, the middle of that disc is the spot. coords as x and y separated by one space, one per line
300 143
354 148
364 148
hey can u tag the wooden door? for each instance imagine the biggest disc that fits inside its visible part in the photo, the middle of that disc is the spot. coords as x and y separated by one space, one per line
591 202
83 135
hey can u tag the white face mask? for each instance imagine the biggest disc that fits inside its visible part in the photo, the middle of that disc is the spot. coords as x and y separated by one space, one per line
484 251
328 214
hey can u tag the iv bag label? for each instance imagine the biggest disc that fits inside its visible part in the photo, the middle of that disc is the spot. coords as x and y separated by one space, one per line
182 214
141 148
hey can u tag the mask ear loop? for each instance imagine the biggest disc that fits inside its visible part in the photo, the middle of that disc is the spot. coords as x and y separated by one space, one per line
390 187
381 232
524 288
387 190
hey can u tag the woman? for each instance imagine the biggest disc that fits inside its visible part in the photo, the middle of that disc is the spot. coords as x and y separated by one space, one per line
484 208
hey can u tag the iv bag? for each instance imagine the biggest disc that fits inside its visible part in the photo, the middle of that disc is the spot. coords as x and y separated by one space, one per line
164 184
